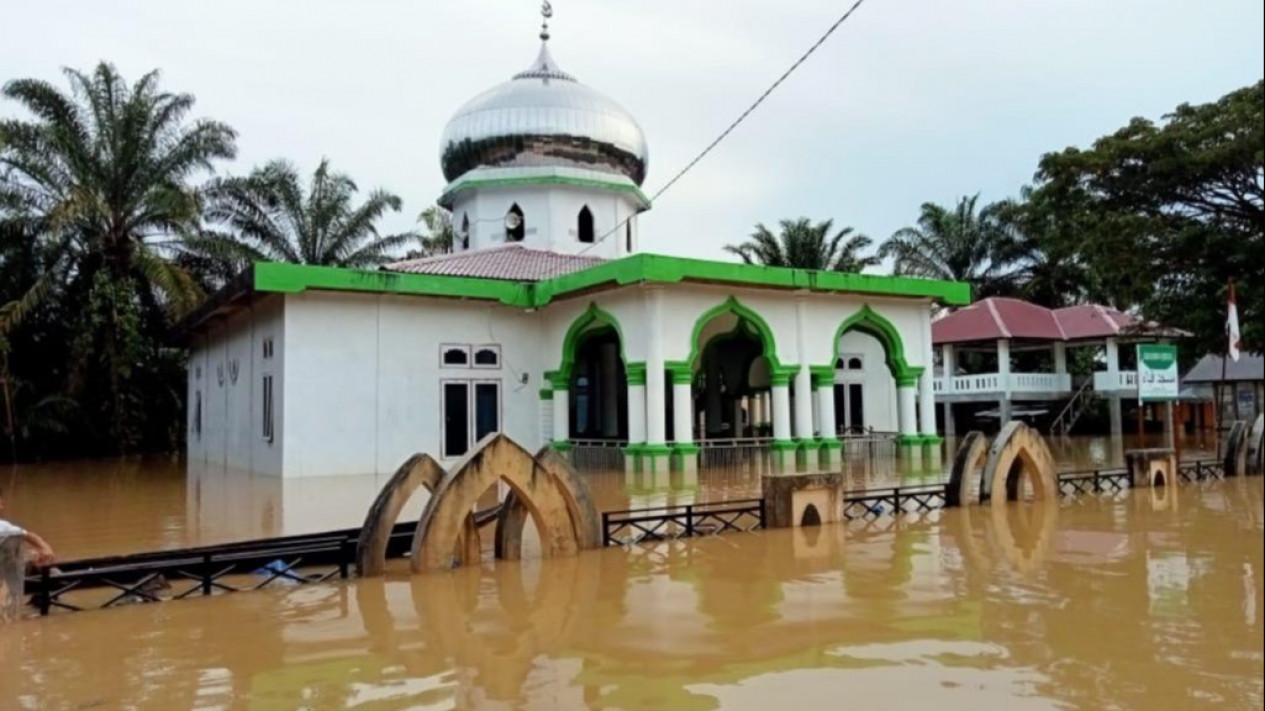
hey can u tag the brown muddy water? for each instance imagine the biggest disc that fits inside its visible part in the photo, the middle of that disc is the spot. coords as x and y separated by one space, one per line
1142 601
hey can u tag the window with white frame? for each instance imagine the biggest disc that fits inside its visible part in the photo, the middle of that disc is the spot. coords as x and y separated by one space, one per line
470 410
487 356
453 355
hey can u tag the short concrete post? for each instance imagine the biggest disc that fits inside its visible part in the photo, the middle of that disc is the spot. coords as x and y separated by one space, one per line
796 500
12 566
1152 468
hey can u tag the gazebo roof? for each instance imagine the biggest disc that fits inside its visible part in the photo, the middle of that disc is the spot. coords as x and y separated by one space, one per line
999 317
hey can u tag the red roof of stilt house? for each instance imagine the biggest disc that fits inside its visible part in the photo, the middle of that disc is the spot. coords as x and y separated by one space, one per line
998 317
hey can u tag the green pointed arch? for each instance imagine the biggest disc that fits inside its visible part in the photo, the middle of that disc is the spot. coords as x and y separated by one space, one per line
580 329
871 323
746 315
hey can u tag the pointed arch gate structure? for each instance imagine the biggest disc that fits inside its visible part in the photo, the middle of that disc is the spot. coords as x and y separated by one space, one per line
543 488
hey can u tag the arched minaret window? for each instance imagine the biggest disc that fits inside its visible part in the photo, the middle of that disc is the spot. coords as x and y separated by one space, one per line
628 237
465 232
515 224
586 226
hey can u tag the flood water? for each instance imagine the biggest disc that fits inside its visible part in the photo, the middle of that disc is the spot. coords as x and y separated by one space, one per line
101 508
1145 600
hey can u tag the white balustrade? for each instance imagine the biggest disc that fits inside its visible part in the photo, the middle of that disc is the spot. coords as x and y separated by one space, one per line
1116 382
991 384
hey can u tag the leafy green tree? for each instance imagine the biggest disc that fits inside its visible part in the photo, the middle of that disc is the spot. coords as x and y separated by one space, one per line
964 243
803 244
1163 216
268 216
91 185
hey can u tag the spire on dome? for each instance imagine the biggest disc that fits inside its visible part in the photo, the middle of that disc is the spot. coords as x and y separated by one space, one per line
545 67
546 11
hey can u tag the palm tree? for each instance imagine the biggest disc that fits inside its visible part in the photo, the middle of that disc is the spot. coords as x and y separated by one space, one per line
97 178
440 235
267 216
964 243
805 245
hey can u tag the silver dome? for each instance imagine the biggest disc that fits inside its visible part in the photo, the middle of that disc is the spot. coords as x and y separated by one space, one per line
544 117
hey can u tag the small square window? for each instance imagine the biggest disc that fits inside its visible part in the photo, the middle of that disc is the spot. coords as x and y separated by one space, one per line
487 356
454 356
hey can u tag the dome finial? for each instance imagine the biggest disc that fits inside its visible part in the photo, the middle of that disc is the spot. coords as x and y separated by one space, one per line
546 11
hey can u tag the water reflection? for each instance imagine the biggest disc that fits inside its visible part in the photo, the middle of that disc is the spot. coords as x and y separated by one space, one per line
1097 604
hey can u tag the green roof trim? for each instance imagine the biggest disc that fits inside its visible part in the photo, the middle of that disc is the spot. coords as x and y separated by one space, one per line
296 278
479 183
637 269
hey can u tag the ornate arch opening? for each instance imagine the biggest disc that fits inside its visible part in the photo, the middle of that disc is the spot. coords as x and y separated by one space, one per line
730 368
873 324
594 373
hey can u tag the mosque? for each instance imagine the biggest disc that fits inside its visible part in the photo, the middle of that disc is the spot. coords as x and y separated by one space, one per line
548 322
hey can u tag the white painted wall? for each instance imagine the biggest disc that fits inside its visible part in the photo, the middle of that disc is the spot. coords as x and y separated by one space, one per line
363 377
226 368
551 213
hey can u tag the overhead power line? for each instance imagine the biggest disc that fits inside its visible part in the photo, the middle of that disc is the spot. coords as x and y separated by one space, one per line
738 122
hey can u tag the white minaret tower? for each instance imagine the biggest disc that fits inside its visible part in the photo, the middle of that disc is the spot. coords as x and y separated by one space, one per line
546 162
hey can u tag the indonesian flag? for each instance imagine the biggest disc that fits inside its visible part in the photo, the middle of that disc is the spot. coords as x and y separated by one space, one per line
1232 327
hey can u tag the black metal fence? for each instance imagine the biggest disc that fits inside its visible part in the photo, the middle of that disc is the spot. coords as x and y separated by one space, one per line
874 503
620 528
210 570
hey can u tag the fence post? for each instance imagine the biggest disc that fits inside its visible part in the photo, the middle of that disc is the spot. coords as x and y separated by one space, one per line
344 560
206 574
896 502
606 529
689 520
1097 482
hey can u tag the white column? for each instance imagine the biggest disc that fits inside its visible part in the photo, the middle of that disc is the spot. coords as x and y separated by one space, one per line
561 415
826 411
1113 360
803 404
1060 358
781 413
950 427
906 403
766 407
927 388
927 405
803 378
1003 375
1003 365
636 413
682 412
656 383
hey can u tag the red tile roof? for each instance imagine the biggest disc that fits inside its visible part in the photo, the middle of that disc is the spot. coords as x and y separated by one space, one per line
512 262
996 318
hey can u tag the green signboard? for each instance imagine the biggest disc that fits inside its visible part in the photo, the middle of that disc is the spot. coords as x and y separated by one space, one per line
1157 373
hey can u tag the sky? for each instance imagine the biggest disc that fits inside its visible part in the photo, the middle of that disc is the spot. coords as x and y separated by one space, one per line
911 101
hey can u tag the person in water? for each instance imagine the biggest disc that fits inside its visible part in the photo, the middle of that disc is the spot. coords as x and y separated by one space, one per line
42 553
